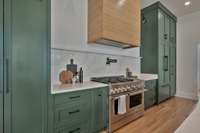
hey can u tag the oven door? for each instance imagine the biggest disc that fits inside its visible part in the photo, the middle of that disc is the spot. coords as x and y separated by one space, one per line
135 101
114 108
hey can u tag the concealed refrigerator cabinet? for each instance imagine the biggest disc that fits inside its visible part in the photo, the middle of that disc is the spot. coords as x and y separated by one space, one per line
1 66
23 66
158 48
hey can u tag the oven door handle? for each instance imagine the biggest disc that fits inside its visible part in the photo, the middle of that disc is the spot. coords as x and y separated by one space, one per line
135 93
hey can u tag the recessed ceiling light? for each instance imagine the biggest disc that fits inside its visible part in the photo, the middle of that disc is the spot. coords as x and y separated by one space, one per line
187 3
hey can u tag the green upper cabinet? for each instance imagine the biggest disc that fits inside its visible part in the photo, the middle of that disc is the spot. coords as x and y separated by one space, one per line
158 48
26 63
1 66
149 42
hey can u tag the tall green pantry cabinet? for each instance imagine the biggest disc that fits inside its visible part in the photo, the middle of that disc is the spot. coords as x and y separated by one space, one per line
158 48
24 59
1 66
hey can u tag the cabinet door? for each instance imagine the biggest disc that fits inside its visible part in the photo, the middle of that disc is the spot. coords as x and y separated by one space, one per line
1 66
167 46
161 47
149 45
150 94
173 57
164 87
100 113
81 127
26 44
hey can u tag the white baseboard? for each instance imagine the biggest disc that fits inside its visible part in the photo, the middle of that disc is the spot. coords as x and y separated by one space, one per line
187 95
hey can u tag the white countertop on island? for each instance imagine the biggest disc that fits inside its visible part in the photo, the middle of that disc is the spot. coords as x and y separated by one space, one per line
191 124
146 77
64 88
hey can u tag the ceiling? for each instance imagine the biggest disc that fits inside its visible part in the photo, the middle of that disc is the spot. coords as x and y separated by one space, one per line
176 6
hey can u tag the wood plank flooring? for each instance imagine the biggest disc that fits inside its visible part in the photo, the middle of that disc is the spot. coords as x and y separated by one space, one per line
164 118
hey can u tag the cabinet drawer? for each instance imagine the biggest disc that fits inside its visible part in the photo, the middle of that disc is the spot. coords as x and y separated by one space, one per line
72 97
83 127
151 84
149 98
69 113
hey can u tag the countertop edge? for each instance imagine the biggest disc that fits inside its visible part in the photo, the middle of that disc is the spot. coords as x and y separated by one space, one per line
59 89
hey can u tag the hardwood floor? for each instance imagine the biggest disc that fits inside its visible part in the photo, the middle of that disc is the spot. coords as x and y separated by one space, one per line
165 118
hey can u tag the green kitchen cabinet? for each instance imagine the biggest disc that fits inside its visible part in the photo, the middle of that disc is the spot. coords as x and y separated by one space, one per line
158 49
100 110
150 93
1 66
172 57
83 111
26 60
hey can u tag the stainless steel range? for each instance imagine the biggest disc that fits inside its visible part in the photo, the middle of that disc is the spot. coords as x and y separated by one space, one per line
126 100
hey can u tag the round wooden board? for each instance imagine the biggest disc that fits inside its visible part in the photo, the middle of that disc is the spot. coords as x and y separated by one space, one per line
66 77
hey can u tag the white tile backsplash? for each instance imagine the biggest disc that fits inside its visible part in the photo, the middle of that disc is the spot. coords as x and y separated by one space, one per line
94 64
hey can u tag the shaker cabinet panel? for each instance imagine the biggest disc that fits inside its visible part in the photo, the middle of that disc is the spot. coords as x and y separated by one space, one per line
161 48
150 94
1 66
26 48
86 113
148 41
100 113
80 127
173 57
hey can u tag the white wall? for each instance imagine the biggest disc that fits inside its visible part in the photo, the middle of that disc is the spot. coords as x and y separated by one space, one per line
198 69
69 29
188 38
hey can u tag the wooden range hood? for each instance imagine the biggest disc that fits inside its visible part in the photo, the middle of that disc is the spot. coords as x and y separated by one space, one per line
114 22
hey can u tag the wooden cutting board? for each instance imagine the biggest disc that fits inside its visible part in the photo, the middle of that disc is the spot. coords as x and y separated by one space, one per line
66 77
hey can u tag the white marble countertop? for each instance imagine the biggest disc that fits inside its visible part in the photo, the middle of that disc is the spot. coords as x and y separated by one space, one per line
57 89
146 77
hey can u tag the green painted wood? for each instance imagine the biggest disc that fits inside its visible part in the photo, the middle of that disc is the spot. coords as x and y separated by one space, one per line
173 57
164 86
72 97
159 5
73 110
156 49
66 113
150 95
149 47
161 48
1 66
79 127
26 50
100 110
167 52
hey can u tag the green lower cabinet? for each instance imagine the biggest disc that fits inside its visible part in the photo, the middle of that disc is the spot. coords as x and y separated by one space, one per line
164 93
79 127
150 94
100 112
81 112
